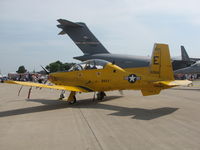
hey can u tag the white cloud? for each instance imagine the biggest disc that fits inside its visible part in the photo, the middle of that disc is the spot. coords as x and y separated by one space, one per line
90 9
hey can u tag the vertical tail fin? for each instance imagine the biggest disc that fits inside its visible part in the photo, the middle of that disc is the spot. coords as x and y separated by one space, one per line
184 54
161 69
161 62
82 37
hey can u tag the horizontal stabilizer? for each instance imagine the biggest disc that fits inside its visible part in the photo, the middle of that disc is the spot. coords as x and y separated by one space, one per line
62 32
66 23
164 84
172 83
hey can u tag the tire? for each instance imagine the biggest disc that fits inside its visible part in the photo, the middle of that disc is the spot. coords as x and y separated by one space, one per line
100 95
74 101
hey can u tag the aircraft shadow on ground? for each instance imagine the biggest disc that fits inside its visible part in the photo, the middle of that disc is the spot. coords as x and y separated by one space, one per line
136 113
186 89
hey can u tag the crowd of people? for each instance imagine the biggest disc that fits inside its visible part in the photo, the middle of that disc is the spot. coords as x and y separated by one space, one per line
190 77
32 77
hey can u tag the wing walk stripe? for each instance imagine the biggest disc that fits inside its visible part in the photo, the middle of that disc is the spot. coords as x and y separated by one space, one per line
85 88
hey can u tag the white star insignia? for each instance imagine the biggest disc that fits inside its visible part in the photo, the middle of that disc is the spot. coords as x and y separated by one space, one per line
132 78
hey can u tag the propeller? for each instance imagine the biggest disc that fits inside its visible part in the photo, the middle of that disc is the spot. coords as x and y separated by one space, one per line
46 71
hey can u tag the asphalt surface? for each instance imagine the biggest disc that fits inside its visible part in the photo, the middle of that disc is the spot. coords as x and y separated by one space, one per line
169 121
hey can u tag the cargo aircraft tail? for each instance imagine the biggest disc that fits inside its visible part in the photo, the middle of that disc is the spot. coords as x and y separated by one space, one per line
82 37
184 54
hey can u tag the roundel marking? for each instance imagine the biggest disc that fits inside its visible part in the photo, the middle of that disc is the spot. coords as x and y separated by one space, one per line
132 78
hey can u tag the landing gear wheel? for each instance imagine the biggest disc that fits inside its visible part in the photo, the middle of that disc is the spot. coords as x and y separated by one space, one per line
100 95
62 95
73 101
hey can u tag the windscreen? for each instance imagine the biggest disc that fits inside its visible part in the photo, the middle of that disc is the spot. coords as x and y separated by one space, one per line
90 64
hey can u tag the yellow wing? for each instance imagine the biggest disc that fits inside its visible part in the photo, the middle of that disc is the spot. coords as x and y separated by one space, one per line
58 87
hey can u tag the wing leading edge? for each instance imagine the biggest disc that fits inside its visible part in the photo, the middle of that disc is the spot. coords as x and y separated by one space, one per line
57 87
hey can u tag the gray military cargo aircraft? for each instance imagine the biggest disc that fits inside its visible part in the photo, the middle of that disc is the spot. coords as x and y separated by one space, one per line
186 57
185 61
93 49
193 69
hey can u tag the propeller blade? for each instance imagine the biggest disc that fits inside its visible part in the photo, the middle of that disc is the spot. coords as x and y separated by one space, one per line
46 71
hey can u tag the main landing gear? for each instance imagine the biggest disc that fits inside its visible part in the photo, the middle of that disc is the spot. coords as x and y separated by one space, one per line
101 95
71 99
72 96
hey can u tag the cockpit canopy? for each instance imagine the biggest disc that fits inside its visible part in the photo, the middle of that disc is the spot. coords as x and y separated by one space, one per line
89 64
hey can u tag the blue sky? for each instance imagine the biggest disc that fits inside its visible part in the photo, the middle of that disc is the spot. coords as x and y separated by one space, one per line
28 32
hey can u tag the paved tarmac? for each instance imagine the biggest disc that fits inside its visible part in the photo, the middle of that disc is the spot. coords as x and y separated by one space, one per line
169 121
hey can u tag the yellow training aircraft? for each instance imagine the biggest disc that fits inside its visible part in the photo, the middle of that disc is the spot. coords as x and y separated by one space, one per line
99 76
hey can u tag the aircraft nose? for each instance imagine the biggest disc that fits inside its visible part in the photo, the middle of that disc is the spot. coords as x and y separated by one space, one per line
54 77
51 77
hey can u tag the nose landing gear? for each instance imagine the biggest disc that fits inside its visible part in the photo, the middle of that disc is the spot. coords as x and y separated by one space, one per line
101 95
62 95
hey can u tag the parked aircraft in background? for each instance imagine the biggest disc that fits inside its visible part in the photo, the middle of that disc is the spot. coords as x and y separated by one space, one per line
93 49
186 57
185 61
99 76
193 69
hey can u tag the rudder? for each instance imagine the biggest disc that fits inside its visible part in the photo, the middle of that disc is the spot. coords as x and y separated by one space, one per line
161 62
